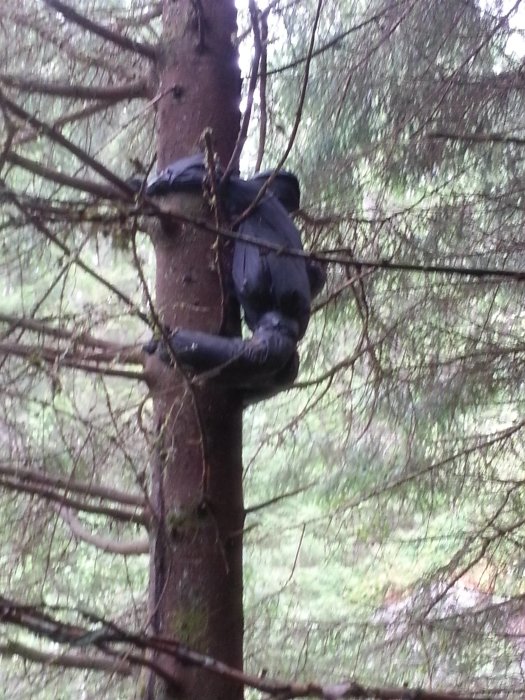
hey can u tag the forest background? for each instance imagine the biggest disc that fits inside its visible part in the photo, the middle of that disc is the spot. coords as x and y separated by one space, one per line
385 520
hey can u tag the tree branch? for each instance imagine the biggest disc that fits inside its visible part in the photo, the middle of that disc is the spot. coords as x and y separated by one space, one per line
57 137
126 516
331 43
103 633
86 362
77 183
106 544
477 138
87 489
296 124
343 256
67 118
124 42
109 93
396 483
156 11
338 256
124 352
243 131
82 661
263 107
277 499
33 619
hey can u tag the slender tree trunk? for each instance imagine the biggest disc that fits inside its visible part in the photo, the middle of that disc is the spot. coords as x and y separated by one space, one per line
196 542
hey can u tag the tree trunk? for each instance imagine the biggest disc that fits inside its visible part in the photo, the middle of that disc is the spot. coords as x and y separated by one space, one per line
196 541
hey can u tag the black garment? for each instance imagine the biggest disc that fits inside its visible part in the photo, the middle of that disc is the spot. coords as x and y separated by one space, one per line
267 279
258 367
285 187
183 174
273 288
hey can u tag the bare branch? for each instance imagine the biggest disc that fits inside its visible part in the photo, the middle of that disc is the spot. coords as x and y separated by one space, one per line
43 625
126 516
156 11
67 118
263 108
109 93
493 439
106 633
477 138
331 43
338 256
344 256
49 658
80 337
87 489
297 120
77 183
243 132
57 137
124 42
106 544
277 499
84 361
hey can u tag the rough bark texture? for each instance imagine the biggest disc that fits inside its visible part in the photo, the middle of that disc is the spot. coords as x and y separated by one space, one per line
196 542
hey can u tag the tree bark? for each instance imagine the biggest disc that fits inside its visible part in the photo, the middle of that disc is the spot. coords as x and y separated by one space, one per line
196 477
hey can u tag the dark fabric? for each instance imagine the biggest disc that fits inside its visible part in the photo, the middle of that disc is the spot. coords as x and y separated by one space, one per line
266 279
258 367
273 287
285 187
184 174
316 272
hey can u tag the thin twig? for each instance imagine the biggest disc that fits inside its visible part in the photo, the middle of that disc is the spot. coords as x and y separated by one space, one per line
478 137
263 108
295 128
243 132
